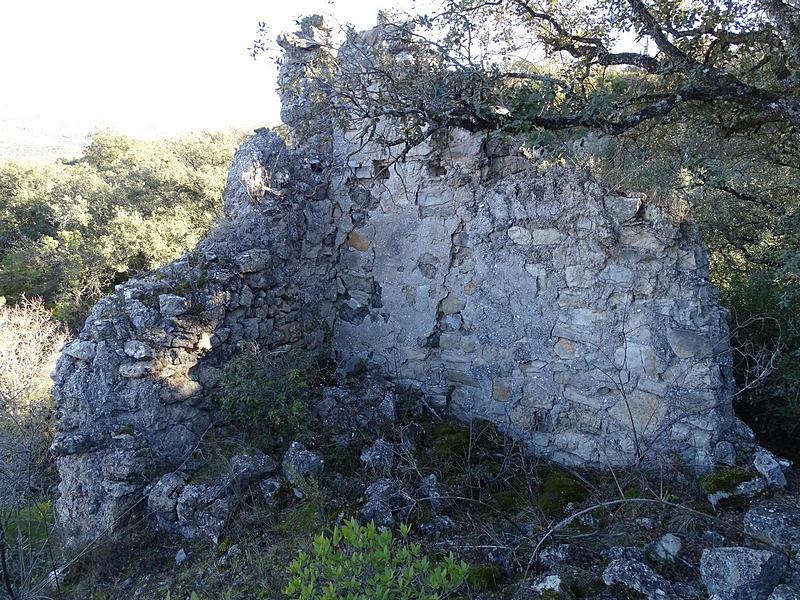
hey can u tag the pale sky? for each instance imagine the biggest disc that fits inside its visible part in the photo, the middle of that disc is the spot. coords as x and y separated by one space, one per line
148 68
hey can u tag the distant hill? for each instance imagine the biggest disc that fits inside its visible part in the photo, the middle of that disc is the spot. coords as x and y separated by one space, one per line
38 140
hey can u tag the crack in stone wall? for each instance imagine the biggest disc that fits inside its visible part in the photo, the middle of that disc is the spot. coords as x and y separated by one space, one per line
579 321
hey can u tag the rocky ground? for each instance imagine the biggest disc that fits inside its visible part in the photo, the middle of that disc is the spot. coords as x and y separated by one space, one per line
228 522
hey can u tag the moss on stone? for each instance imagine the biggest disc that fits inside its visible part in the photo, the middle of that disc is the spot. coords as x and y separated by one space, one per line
724 480
559 489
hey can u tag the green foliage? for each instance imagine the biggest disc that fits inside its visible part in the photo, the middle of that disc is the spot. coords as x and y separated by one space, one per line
358 562
267 398
70 231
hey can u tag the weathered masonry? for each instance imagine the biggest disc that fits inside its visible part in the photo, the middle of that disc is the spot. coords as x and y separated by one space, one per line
579 321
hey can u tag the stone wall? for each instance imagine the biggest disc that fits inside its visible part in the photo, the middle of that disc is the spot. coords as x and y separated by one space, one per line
579 321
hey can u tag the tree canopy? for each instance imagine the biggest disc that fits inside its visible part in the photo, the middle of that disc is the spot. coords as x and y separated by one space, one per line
69 231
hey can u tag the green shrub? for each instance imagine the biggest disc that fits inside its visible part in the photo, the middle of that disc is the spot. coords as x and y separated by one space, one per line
359 562
268 399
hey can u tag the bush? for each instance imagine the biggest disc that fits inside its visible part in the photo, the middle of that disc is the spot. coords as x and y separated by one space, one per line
29 345
359 562
266 397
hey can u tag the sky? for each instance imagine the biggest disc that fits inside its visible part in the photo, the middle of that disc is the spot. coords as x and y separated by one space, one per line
148 68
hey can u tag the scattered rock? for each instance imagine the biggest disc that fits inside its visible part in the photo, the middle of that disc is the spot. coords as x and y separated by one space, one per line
383 499
548 583
379 457
775 524
438 525
171 305
203 510
300 464
429 492
639 577
247 469
180 557
80 350
736 572
665 549
750 488
767 464
270 490
645 523
387 407
162 501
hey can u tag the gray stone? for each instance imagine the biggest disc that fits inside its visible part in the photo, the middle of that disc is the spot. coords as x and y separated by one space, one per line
725 454
247 469
379 457
639 577
666 548
748 489
300 465
203 510
775 524
137 349
429 492
162 501
766 464
171 305
737 572
138 370
549 583
180 557
80 349
385 502
270 490
784 592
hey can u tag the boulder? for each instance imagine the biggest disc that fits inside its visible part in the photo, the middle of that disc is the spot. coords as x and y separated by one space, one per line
775 524
383 501
300 465
767 464
638 576
379 457
736 572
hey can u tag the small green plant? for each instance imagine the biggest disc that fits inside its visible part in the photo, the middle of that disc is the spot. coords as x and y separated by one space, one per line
358 562
272 400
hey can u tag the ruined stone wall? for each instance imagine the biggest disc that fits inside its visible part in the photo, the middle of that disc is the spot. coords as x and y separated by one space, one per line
133 390
579 321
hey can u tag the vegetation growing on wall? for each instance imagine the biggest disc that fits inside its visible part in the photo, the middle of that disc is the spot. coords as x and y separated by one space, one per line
702 101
